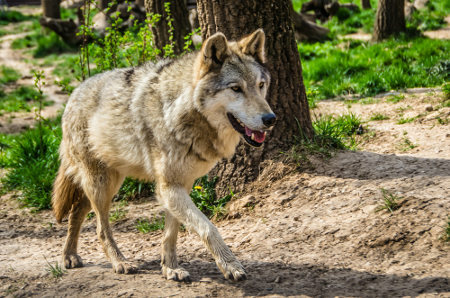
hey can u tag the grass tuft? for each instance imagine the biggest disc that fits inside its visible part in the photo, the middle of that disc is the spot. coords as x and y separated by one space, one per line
32 160
390 201
8 75
145 226
378 117
56 271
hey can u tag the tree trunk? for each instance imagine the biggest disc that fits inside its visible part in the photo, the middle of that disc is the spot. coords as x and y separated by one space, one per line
390 19
286 94
180 23
102 4
50 9
141 3
365 4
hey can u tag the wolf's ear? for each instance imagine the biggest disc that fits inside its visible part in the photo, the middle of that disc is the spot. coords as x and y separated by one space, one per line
253 45
215 50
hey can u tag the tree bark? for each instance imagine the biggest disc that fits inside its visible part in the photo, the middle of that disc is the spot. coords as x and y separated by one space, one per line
50 9
286 94
180 22
102 4
390 19
365 4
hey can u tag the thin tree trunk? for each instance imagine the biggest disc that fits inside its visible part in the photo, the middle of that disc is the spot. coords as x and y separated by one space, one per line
102 4
180 22
286 95
365 4
141 3
50 9
390 19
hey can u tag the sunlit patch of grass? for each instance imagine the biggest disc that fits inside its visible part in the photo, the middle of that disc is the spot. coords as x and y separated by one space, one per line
8 75
403 120
145 226
378 117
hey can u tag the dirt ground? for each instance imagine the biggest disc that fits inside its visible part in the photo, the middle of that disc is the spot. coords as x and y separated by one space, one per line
314 232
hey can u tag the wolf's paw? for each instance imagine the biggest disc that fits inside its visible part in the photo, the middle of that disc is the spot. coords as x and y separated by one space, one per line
232 270
178 274
124 267
72 261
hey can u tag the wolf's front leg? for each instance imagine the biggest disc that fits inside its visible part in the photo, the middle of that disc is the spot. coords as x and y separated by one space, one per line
176 200
169 262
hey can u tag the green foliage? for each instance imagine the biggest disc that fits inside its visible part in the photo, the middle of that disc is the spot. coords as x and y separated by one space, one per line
446 90
12 16
134 189
144 226
368 69
8 75
378 117
204 196
390 201
32 161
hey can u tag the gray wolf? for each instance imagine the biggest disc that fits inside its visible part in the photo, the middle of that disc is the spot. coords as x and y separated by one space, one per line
169 122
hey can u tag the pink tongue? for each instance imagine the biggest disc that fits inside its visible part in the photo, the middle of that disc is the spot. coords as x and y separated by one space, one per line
259 135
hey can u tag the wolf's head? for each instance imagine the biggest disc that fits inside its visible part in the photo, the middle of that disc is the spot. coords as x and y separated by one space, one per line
231 84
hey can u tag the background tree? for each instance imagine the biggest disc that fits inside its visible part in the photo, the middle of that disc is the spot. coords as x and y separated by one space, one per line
286 95
102 4
365 4
179 26
50 9
390 19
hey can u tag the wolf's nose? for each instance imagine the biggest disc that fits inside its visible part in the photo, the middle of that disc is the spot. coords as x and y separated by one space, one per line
269 119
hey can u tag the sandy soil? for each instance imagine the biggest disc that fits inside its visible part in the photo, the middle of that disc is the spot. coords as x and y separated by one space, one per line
311 233
314 232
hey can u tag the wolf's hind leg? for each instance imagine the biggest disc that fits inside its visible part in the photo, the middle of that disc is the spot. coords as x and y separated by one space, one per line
77 215
176 199
169 262
100 190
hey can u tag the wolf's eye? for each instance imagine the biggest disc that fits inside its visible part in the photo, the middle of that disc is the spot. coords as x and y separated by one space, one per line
261 85
236 89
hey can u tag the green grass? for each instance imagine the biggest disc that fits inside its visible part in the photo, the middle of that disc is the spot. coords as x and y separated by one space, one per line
135 189
8 75
406 144
446 234
24 98
337 132
13 16
378 117
396 98
204 196
368 69
145 226
390 201
330 134
32 162
56 271
42 43
405 120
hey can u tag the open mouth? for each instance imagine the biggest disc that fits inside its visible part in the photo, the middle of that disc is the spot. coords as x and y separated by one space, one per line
253 137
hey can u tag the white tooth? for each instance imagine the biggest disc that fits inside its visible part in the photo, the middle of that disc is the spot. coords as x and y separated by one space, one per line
253 136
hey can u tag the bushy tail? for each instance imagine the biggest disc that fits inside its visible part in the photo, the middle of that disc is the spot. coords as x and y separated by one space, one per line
65 194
